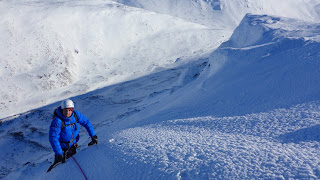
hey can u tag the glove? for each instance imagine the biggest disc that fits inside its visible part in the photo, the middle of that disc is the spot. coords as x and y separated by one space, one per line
71 151
59 158
94 140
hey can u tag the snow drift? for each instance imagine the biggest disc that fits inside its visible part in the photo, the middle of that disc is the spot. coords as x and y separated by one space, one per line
269 62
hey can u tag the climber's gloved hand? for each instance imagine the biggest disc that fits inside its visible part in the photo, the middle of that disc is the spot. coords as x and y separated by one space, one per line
59 158
94 140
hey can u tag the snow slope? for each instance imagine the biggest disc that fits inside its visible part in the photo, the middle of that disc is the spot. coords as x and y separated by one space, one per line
69 48
253 113
228 13
250 110
269 62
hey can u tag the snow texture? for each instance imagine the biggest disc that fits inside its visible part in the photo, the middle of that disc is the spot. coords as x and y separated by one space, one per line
208 89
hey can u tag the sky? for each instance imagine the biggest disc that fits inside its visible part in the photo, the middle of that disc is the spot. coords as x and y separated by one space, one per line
174 89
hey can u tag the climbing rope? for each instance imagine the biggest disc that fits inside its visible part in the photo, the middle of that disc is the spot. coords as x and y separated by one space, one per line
84 175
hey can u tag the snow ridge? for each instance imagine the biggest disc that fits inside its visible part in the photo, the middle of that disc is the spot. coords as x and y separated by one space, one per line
168 98
69 48
240 120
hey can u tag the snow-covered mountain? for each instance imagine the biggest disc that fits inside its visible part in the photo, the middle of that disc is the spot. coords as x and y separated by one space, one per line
224 14
69 48
175 89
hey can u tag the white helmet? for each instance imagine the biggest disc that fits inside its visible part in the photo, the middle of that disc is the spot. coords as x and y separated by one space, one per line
67 104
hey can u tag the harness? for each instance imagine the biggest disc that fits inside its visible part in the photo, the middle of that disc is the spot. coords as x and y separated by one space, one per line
63 125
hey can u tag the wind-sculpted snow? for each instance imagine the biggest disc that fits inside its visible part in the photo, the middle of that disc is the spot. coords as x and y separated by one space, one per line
165 101
256 30
240 119
224 13
24 134
50 51
266 64
238 147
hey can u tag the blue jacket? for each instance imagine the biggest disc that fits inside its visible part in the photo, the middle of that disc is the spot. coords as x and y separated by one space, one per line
59 138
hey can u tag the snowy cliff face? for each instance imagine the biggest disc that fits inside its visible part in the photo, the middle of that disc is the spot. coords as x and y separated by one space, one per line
68 48
253 113
51 51
269 62
275 60
170 94
300 9
260 30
